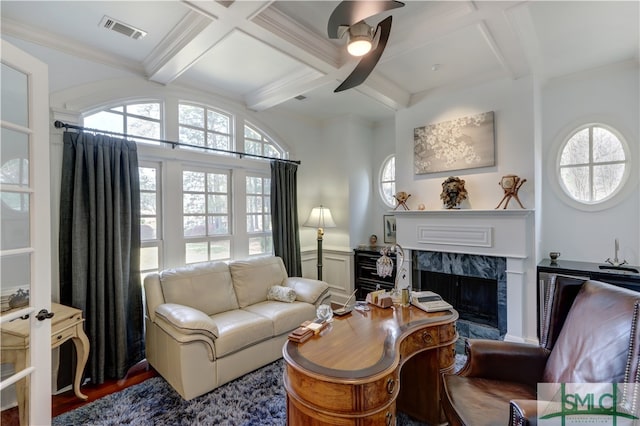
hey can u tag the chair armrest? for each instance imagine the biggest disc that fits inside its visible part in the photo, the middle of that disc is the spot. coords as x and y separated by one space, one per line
500 360
308 290
523 412
188 320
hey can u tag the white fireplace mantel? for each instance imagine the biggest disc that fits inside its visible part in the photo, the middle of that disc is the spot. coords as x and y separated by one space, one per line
500 233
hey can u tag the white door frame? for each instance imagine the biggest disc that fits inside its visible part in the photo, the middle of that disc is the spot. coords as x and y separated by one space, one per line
38 371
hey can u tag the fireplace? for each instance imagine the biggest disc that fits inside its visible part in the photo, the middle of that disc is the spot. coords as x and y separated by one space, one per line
474 284
490 253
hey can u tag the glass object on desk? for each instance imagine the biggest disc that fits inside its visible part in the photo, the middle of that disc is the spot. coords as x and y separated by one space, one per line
324 313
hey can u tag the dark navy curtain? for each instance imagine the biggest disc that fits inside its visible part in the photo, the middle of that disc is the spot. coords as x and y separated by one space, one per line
99 247
284 215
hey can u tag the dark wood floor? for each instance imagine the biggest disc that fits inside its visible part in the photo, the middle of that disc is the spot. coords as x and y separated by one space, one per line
68 401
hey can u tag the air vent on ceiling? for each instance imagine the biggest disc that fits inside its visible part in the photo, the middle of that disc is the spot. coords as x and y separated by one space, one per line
300 97
122 28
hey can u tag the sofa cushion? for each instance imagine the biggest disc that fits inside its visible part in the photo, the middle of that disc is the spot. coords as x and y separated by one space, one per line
239 329
252 278
206 287
596 353
281 294
284 316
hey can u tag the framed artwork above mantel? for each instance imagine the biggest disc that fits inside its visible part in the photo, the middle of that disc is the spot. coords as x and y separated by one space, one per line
462 143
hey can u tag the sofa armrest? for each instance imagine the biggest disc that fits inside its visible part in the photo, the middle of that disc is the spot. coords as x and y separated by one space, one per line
153 294
308 290
500 360
188 320
523 412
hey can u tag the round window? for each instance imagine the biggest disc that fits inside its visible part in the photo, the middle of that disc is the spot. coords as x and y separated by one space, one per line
593 164
388 181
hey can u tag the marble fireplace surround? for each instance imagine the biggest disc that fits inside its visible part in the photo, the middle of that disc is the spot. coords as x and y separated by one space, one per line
507 234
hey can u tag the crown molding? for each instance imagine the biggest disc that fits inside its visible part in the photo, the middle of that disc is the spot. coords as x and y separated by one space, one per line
67 45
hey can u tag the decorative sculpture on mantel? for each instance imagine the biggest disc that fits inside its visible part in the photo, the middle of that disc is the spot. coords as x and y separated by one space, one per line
402 197
453 192
511 185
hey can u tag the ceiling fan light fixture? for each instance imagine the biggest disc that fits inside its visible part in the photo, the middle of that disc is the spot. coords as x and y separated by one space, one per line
360 39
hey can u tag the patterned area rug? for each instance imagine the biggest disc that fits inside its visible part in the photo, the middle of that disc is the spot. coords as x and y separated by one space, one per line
257 398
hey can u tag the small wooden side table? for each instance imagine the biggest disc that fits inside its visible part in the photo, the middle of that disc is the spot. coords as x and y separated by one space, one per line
66 324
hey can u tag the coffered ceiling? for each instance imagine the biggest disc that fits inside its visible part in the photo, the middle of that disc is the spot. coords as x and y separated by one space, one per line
266 53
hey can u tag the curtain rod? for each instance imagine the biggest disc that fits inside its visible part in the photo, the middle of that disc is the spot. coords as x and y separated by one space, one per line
59 124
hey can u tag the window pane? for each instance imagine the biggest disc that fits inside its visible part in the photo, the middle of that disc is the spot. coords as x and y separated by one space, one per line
606 179
194 226
14 153
193 203
196 252
267 204
576 181
218 122
148 228
219 141
270 151
151 110
267 186
193 181
15 271
147 178
388 191
191 136
254 223
218 225
389 171
254 185
267 222
105 121
251 147
606 146
146 128
258 245
217 182
15 92
217 204
148 258
191 115
250 133
254 204
220 250
576 151
148 203
15 221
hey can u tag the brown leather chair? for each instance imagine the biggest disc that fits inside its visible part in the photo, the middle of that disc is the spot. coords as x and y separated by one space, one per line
589 334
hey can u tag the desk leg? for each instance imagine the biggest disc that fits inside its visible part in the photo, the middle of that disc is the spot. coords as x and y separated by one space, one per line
82 351
18 358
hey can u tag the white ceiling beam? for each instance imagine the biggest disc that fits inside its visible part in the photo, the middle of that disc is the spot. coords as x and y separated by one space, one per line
285 89
201 29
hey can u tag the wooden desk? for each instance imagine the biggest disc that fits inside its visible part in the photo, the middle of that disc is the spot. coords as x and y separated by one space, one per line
66 324
355 371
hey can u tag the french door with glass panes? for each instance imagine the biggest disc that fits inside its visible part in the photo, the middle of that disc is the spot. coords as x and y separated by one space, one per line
25 234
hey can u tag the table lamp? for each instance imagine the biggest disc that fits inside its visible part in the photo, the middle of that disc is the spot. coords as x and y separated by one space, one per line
320 217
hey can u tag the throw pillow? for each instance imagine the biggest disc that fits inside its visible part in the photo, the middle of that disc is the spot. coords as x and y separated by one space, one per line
281 294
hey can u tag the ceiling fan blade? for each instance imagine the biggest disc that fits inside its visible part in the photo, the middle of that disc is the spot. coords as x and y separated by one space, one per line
349 12
369 61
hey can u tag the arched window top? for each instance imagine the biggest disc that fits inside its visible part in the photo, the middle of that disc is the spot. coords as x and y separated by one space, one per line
138 118
258 143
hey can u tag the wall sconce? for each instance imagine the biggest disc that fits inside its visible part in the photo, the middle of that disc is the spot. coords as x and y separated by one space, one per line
320 217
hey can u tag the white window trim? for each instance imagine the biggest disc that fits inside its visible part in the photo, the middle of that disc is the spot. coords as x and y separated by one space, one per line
629 179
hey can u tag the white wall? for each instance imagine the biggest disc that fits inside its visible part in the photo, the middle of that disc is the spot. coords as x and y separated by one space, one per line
384 136
512 103
608 95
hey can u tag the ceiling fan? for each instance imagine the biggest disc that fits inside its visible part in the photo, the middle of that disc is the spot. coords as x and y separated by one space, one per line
348 18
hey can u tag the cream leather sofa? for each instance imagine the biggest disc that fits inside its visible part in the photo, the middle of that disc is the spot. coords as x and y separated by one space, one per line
209 323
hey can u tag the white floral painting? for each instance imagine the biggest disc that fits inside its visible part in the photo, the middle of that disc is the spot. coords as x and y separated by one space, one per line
463 143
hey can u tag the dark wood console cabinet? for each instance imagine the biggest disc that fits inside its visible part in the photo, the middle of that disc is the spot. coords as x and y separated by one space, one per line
366 278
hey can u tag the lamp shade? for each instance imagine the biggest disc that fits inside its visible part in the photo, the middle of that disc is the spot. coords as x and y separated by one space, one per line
320 217
360 39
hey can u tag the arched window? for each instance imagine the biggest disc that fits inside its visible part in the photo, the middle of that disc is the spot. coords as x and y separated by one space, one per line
204 126
592 164
387 181
257 143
